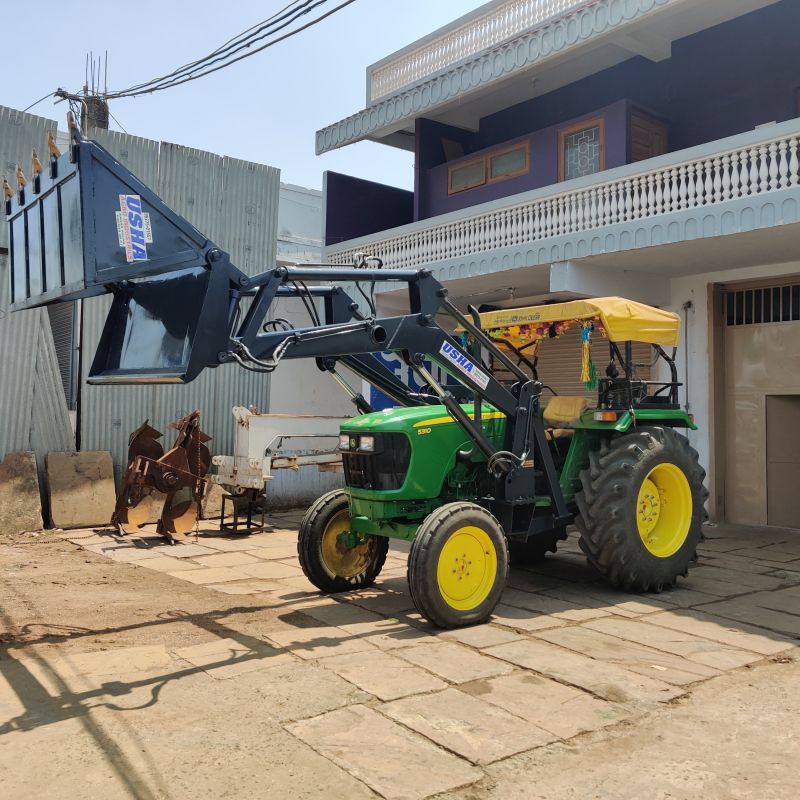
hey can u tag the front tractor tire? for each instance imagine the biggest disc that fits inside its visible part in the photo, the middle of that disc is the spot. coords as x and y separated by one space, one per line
641 509
327 554
458 565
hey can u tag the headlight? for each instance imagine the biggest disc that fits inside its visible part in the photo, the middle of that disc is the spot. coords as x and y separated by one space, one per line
367 444
344 441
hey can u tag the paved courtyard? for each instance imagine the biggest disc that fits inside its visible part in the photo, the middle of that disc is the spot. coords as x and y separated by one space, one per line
247 682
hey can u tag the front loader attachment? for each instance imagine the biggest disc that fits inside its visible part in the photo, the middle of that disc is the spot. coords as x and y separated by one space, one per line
84 225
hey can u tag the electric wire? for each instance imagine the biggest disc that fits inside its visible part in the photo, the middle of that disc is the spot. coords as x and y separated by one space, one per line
170 80
40 100
228 48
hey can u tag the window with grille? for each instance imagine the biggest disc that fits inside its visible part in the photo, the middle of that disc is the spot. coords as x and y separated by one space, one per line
581 149
762 305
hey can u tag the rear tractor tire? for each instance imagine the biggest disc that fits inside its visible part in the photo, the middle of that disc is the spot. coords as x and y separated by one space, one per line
326 551
458 565
641 509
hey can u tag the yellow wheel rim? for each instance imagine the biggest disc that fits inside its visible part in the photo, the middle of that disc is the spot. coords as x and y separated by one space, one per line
339 559
467 568
664 510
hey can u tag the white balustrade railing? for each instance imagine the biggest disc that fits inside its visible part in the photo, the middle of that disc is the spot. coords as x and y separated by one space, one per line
758 168
498 25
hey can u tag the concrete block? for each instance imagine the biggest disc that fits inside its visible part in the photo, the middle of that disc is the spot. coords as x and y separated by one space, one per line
81 488
20 502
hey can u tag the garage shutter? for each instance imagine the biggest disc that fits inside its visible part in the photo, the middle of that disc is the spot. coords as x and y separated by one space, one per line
560 363
62 323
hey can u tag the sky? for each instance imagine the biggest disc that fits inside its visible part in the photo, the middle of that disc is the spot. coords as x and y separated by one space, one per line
266 108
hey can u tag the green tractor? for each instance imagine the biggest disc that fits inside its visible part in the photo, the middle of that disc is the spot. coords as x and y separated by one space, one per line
467 472
621 471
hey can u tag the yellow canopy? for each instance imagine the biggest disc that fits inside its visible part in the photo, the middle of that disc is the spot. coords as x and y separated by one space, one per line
622 320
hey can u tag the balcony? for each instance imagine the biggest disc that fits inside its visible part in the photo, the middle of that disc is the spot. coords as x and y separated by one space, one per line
443 49
510 51
633 217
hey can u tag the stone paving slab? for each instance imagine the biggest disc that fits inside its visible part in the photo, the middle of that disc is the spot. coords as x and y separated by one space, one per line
712 654
185 549
787 600
223 659
683 597
233 559
242 587
701 583
210 575
550 606
736 577
360 740
524 619
480 732
271 569
622 604
481 636
602 679
634 657
390 633
453 662
743 610
127 554
772 554
383 675
562 710
736 562
323 641
742 636
167 564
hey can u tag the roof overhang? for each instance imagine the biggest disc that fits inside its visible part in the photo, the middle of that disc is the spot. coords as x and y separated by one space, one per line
587 39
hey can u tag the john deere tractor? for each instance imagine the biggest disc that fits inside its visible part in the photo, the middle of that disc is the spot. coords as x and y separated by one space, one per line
467 471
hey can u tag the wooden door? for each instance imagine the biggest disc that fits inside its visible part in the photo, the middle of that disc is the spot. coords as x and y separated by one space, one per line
649 136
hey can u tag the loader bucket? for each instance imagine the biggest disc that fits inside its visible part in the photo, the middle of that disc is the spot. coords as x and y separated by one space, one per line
85 225
164 330
86 222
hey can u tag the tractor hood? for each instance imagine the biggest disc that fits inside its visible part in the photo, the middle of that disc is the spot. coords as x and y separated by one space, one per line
408 419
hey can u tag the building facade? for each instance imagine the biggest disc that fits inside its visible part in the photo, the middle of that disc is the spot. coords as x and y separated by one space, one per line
642 148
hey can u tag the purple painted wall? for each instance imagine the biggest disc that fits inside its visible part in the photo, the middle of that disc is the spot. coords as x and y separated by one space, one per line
355 207
432 197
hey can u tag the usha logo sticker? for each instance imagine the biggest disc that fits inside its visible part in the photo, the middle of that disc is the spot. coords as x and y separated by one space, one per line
133 227
462 363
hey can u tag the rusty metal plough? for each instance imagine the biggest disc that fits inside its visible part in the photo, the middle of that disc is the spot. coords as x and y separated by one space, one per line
175 478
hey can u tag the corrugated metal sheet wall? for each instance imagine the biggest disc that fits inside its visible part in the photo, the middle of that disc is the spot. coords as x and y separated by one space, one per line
32 405
33 412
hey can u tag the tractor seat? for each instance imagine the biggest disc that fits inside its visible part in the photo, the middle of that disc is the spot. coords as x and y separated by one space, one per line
561 413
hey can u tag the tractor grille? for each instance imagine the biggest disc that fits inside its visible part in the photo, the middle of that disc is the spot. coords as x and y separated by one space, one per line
383 469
